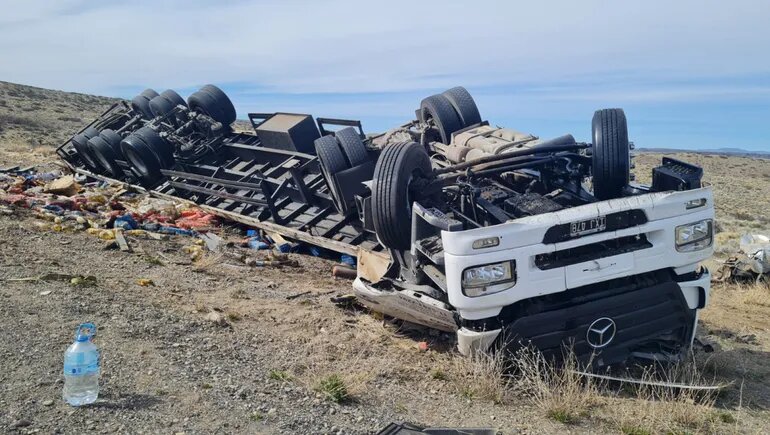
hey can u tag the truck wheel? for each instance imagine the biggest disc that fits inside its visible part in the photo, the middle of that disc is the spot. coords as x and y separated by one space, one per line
610 153
104 155
80 142
352 146
149 94
106 149
144 161
166 102
173 97
464 105
331 160
211 101
141 105
399 164
160 106
438 109
162 149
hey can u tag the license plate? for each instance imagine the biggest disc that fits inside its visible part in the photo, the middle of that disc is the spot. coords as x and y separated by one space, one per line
588 226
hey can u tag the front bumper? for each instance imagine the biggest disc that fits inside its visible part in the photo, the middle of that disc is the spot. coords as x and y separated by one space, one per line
654 316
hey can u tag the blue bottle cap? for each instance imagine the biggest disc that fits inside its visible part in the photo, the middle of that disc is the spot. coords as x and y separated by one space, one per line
85 332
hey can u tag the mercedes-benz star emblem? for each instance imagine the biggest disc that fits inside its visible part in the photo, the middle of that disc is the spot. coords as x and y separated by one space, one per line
601 332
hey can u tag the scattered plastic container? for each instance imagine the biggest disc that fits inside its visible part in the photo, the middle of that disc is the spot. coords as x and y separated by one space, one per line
125 222
82 368
348 260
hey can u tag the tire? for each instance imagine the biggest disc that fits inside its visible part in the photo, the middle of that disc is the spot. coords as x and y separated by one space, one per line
445 119
80 142
173 97
166 102
160 106
610 153
211 101
144 161
162 149
149 94
352 146
141 105
332 160
106 150
90 132
105 155
464 105
391 204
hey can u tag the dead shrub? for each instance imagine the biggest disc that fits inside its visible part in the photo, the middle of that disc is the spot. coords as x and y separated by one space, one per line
481 376
560 391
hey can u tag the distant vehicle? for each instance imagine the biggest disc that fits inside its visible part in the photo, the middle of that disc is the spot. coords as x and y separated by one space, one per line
501 236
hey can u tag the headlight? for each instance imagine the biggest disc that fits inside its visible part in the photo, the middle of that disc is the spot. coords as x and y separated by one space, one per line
695 236
489 278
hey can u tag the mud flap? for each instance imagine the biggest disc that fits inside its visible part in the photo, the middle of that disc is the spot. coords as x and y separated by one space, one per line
406 305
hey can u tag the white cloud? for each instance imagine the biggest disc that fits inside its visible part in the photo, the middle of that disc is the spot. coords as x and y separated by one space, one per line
357 47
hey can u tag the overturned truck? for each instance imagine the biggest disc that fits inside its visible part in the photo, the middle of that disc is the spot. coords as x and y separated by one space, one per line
506 238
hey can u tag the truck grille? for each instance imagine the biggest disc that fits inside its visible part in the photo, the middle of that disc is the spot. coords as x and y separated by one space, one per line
593 251
648 310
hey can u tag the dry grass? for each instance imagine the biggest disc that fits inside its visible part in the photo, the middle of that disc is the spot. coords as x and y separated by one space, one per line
640 409
560 392
754 294
339 381
480 376
208 263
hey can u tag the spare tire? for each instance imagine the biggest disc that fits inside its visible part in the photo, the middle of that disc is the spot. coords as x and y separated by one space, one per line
211 101
352 146
464 105
399 164
610 153
332 160
439 110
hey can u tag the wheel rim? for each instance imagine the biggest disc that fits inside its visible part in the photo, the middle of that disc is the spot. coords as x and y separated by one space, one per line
137 161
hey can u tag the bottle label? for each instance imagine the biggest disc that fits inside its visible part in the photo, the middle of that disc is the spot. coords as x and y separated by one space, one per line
76 364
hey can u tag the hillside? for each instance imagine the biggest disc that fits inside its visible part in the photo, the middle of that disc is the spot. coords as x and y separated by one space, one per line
32 117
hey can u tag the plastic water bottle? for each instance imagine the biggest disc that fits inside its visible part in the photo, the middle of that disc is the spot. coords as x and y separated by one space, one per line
82 368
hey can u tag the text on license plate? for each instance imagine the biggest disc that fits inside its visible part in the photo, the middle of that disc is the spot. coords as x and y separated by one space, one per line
588 226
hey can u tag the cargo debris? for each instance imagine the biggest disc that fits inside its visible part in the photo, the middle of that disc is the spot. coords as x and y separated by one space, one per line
751 264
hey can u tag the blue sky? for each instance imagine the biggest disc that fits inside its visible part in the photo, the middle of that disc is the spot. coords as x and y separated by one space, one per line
691 74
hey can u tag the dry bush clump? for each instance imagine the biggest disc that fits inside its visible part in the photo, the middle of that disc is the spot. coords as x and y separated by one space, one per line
560 391
336 380
481 376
